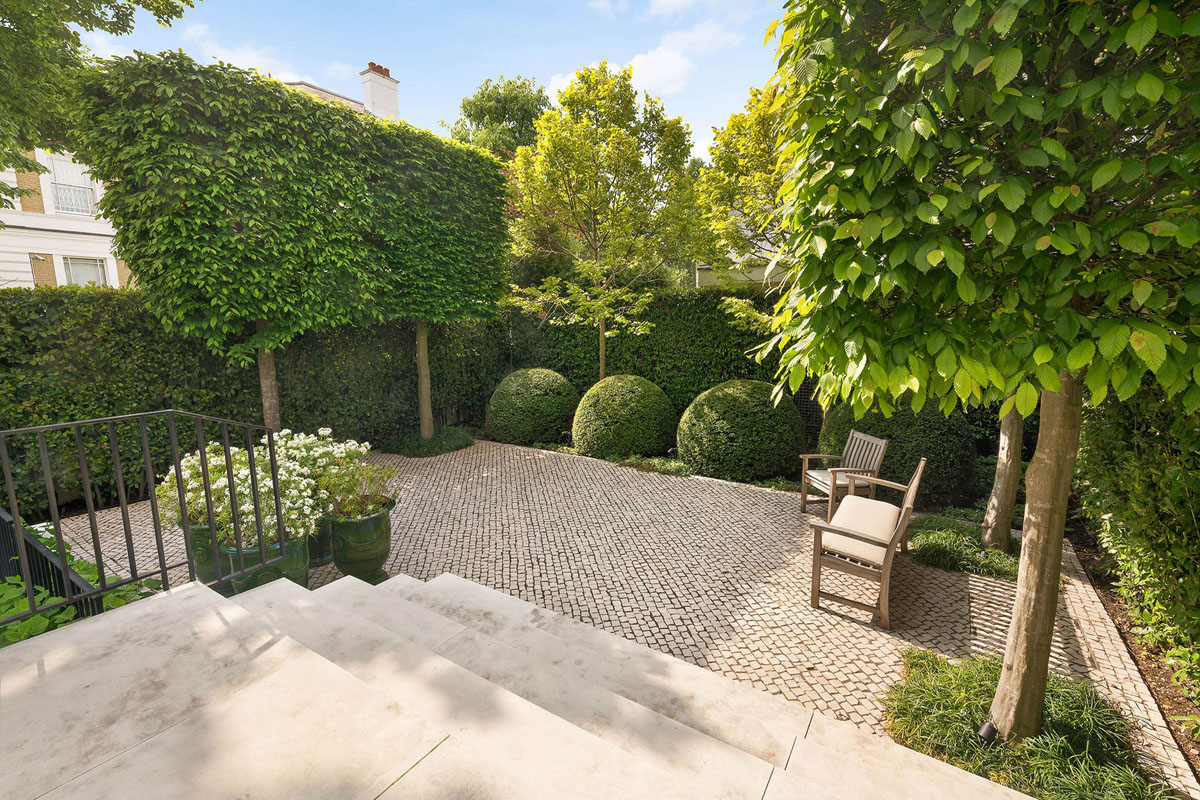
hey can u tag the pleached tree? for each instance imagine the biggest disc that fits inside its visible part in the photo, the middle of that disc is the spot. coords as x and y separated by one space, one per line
993 202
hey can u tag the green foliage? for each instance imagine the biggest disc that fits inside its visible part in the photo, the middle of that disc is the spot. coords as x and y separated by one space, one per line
500 116
956 545
1137 486
250 213
76 353
736 431
738 191
624 415
984 196
985 428
13 600
41 55
531 406
1085 750
607 188
445 440
694 344
946 442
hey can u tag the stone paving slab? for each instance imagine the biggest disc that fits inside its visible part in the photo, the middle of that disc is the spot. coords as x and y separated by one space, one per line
712 572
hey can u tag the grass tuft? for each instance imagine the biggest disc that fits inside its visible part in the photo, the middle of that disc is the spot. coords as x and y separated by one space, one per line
1084 752
956 545
445 440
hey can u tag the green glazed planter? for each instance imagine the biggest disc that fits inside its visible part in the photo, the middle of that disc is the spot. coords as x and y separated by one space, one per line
361 544
294 565
320 544
202 556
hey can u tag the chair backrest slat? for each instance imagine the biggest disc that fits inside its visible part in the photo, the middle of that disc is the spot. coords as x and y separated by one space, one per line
864 452
906 510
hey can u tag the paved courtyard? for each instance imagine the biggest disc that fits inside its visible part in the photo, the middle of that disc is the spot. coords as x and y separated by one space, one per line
713 572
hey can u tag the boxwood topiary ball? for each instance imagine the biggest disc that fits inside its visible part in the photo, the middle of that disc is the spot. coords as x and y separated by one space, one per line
947 442
737 432
531 406
624 415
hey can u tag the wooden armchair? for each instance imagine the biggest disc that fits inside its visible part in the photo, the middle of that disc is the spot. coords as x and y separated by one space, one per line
862 455
861 540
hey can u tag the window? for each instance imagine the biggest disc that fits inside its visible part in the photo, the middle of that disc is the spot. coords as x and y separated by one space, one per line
84 271
73 189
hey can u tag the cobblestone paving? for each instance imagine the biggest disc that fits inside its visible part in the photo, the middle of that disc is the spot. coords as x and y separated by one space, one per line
712 572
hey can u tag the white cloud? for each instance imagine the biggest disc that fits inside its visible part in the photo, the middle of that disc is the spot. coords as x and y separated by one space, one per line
663 8
340 72
104 45
263 59
665 69
608 8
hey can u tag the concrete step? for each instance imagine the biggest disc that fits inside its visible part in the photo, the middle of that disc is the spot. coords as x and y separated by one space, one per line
78 696
500 743
686 754
819 750
306 731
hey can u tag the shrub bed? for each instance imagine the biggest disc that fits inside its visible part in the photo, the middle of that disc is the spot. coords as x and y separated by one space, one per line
444 440
949 543
736 431
530 406
1084 752
946 442
624 415
1137 484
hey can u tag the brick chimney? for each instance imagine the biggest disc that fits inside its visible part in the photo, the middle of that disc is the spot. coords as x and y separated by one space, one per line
379 91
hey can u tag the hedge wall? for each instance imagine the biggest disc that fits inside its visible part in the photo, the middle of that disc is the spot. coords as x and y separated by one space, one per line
692 347
1138 485
76 353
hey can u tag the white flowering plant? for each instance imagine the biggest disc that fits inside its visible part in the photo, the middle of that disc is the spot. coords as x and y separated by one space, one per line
345 483
297 495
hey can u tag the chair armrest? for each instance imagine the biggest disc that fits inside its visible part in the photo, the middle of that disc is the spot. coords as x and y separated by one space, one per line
826 527
818 455
855 478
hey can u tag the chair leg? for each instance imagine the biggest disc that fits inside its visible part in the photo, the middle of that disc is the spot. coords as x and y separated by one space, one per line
816 573
833 494
884 587
803 495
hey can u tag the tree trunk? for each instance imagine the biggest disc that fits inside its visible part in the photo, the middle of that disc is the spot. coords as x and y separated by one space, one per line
1017 706
268 386
424 392
997 520
603 348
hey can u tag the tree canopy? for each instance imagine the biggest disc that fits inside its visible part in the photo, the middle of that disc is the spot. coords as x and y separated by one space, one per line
500 115
606 187
41 53
982 195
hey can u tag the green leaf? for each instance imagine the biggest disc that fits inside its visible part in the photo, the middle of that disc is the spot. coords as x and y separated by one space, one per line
946 362
1150 86
1081 355
1113 341
1105 173
1003 19
1006 66
1033 157
1043 354
1142 31
1048 377
1012 195
966 288
1142 291
1026 398
966 16
935 256
1054 148
1134 241
1004 229
1149 348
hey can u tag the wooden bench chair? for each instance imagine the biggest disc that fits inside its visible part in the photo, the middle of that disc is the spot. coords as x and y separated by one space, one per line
861 540
862 455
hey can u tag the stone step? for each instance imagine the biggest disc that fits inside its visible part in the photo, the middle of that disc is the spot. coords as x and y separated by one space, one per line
773 729
718 769
78 696
306 731
537 750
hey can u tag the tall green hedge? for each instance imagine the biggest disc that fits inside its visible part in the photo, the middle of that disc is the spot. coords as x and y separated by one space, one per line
1138 482
76 353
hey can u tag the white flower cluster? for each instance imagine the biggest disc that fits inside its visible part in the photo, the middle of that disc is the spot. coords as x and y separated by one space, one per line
315 475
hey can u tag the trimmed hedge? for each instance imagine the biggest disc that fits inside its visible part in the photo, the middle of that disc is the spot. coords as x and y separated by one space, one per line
946 442
531 406
75 353
624 415
736 431
1138 482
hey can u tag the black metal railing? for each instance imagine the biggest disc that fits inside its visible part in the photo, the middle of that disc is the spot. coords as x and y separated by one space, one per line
94 467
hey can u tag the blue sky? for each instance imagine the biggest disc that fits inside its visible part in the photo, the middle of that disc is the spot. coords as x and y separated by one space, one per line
700 56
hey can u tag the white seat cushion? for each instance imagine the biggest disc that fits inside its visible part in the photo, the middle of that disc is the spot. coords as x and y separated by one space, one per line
819 478
873 518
